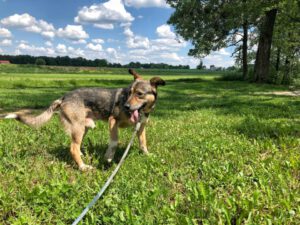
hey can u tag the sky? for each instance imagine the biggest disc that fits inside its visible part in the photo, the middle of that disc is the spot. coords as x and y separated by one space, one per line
120 31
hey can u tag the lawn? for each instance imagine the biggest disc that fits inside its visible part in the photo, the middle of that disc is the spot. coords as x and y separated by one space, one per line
221 153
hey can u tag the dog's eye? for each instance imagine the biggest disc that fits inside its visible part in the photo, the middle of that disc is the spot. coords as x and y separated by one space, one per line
139 94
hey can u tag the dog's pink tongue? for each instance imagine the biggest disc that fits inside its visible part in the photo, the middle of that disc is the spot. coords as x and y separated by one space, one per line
134 116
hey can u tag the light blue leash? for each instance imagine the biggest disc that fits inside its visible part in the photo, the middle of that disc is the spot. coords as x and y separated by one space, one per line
92 203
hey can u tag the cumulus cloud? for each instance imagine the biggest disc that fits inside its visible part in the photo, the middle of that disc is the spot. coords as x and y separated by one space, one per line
164 31
61 48
107 26
135 41
146 3
94 47
5 33
80 41
24 48
5 42
98 41
173 56
72 32
30 24
104 15
48 43
138 42
17 20
219 58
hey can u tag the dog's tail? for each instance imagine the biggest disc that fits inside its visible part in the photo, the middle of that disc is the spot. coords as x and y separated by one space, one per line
36 121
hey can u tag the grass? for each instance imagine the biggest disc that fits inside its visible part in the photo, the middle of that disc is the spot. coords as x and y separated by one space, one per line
222 153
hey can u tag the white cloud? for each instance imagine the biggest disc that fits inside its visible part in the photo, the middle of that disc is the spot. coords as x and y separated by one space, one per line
72 32
61 48
30 24
138 42
165 43
24 48
128 32
172 56
164 31
133 41
113 54
80 41
98 41
48 34
104 15
146 3
94 47
223 51
106 26
5 42
5 33
78 52
48 43
219 58
16 20
1 51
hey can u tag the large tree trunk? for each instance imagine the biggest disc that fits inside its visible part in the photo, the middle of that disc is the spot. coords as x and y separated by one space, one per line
286 75
262 62
245 50
278 59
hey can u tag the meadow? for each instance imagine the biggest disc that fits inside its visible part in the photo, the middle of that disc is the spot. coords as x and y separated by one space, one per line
221 153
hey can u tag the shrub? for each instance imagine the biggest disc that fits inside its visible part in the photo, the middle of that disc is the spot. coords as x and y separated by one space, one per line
231 76
40 62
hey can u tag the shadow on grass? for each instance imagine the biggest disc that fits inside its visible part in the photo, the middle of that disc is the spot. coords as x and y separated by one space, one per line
227 98
91 153
260 129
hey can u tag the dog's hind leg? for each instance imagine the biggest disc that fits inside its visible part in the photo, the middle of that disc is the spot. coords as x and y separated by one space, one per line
77 134
113 142
89 124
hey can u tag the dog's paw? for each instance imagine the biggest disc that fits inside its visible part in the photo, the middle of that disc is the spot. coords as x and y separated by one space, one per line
85 167
144 150
108 159
109 155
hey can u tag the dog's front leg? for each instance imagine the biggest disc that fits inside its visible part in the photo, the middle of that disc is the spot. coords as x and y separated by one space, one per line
113 142
142 138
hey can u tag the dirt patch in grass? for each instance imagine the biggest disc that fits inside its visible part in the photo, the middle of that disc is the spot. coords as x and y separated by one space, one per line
282 93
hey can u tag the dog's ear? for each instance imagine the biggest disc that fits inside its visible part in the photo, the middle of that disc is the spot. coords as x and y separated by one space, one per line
135 74
155 81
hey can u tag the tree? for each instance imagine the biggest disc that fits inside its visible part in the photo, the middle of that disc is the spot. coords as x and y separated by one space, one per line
262 62
212 25
40 62
200 66
286 41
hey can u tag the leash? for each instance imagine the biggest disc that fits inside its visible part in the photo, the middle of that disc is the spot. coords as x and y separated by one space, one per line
105 186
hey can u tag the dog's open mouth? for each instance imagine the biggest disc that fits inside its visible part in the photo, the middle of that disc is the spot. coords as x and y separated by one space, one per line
134 117
135 114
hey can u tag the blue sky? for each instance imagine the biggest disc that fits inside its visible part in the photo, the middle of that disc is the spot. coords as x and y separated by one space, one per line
118 30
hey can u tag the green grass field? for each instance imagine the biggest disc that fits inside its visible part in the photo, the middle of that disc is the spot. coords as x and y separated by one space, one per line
222 153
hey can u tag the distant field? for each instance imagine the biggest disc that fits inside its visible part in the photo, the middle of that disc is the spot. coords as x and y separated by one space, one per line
33 69
222 153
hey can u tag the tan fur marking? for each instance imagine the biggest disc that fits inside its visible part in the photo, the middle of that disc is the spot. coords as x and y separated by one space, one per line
142 138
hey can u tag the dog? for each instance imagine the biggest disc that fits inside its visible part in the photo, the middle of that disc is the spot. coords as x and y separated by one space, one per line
121 107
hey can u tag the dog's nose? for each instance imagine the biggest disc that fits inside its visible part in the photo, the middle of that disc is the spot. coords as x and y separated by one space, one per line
127 106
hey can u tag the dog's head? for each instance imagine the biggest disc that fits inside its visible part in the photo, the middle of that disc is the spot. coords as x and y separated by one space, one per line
142 95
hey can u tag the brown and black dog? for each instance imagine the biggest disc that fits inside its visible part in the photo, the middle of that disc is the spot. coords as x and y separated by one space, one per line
121 107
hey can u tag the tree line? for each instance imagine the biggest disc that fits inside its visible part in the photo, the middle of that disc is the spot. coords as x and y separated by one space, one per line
264 33
67 61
